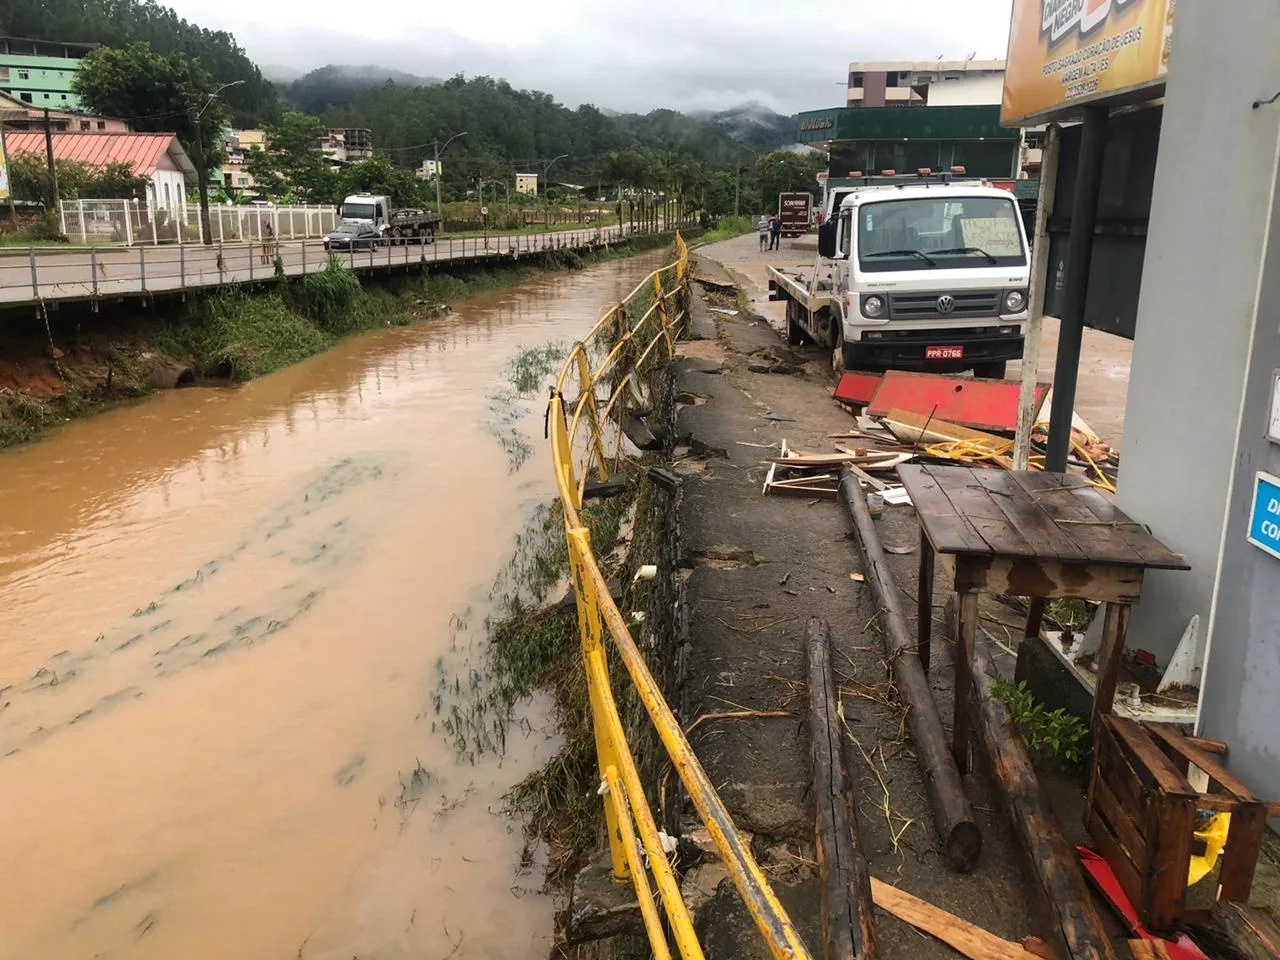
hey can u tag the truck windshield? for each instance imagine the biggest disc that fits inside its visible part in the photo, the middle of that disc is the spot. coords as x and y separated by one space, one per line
357 211
948 232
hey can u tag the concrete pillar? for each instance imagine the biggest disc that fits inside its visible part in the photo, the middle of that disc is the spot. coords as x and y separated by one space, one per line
1207 327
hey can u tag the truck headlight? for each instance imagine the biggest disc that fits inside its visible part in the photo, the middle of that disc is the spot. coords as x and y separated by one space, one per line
1015 301
872 306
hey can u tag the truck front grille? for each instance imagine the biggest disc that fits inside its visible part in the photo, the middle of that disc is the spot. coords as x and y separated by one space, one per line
969 303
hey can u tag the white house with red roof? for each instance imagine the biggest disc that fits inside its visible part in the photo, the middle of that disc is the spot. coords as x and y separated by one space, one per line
157 156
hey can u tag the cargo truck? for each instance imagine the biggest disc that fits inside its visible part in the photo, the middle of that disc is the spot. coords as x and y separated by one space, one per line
795 213
394 225
927 276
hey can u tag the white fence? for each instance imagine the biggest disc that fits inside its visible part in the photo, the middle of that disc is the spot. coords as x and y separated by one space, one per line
135 223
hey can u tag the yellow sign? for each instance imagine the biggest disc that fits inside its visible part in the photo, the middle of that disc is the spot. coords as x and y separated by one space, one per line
1067 53
4 171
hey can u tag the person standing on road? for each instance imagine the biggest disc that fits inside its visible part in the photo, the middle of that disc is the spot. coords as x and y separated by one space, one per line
764 234
775 233
268 244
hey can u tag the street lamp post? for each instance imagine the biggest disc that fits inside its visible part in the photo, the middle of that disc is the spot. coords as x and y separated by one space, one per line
439 149
202 170
546 185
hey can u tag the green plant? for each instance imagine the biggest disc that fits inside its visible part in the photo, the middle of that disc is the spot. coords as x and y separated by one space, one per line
329 299
1048 734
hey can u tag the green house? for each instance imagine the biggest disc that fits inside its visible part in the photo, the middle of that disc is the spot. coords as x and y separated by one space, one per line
41 72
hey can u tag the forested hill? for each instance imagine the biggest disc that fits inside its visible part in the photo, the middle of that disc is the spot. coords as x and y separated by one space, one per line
508 128
118 23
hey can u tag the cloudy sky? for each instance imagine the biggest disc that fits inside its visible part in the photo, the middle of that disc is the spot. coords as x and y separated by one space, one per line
622 54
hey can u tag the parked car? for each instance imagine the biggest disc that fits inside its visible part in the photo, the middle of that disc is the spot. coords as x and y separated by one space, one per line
353 236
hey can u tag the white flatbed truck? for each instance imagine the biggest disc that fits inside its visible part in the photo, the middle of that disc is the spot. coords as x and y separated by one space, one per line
919 277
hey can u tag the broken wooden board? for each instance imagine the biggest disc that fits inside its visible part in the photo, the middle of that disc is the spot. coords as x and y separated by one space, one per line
980 404
857 388
959 934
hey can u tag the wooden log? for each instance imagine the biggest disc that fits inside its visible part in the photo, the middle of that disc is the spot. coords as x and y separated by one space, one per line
1052 859
952 815
1240 931
847 913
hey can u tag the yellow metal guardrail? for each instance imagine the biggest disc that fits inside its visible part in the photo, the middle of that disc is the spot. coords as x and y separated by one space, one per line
628 817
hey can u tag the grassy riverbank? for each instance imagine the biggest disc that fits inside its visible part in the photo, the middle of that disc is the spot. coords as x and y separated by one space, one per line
71 363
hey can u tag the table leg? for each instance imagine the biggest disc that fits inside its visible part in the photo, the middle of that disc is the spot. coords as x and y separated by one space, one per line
1115 625
924 603
966 636
1035 617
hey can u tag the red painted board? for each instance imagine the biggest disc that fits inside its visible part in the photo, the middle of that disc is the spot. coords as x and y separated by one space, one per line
1104 878
981 404
857 388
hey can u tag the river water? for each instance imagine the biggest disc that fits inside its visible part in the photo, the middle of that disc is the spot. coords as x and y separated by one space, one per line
223 613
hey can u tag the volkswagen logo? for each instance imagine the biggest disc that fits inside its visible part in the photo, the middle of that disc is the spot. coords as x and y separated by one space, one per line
946 303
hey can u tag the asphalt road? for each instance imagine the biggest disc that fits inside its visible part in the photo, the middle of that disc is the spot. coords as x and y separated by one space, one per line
27 276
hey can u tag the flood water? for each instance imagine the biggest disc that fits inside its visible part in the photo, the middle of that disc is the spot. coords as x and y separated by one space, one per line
222 613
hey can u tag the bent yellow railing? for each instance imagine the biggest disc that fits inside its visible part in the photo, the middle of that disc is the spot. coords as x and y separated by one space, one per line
624 347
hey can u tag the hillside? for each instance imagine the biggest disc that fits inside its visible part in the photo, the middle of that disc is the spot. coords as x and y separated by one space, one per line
754 124
338 85
118 23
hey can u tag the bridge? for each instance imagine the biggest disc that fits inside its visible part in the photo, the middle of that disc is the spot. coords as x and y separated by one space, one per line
56 274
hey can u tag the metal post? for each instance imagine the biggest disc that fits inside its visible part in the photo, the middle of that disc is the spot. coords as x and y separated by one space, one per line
142 268
220 219
1084 216
35 280
93 268
1035 299
128 224
84 231
151 213
304 257
62 216
182 266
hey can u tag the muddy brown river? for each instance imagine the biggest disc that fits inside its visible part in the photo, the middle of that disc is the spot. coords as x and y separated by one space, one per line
223 615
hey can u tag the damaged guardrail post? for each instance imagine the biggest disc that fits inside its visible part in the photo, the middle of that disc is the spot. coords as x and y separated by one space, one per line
952 814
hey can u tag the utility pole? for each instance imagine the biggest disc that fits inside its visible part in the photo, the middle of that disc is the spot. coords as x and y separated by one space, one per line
440 172
53 168
202 168
737 191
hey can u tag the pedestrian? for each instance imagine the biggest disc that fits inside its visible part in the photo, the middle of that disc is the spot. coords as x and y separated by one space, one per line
764 234
775 233
268 244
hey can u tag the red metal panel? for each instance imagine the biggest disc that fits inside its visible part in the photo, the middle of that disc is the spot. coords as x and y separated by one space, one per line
857 388
981 404
1104 878
142 150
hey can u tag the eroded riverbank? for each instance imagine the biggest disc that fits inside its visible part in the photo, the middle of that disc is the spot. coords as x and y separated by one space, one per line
225 612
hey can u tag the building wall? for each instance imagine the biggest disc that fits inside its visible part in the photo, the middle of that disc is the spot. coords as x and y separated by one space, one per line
169 189
1207 329
526 183
970 89
39 81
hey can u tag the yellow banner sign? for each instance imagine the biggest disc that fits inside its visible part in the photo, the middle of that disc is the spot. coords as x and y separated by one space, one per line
4 172
1067 53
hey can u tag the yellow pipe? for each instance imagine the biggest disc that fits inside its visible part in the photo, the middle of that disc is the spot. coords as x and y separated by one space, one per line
644 894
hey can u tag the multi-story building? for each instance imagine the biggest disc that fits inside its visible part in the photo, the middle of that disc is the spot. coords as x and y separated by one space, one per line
343 145
527 183
932 83
236 148
20 115
41 72
429 170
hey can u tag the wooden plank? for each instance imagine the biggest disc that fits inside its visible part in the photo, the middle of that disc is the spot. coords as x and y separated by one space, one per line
1052 859
1244 843
1126 786
1049 578
1110 848
924 429
966 637
1118 820
847 915
948 531
962 936
981 404
1147 759
1148 950
1154 553
1244 932
1115 626
1205 761
1054 492
924 604
1170 822
963 487
957 831
1030 517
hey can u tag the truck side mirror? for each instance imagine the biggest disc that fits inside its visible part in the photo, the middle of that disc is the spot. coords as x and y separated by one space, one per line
827 239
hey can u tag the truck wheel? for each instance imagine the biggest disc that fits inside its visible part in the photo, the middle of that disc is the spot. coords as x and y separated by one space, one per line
989 371
795 332
838 357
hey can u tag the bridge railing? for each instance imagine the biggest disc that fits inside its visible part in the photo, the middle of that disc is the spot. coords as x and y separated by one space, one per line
132 223
607 368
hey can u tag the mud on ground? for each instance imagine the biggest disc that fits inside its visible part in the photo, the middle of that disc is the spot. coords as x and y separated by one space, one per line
759 567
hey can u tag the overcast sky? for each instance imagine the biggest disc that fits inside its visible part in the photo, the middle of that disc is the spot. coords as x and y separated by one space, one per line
622 54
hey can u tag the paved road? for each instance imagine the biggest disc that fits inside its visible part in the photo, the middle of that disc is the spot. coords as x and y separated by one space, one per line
84 273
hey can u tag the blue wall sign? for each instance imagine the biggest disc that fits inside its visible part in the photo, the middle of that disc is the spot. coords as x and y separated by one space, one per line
1264 520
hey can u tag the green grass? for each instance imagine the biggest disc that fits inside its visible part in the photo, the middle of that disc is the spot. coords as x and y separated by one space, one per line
728 228
21 418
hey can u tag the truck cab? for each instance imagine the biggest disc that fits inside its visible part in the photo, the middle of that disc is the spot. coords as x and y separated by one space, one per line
928 276
367 208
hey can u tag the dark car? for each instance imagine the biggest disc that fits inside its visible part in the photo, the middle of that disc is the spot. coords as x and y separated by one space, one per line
352 236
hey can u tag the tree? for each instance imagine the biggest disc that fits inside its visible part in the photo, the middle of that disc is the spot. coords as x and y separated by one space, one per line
377 175
29 177
291 165
783 171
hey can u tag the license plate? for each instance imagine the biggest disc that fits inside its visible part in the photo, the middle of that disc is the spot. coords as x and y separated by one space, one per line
944 353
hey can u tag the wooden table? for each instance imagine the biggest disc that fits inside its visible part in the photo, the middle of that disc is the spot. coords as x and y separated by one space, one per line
1027 534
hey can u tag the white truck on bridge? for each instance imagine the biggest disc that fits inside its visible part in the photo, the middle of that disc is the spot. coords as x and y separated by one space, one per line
927 276
393 225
